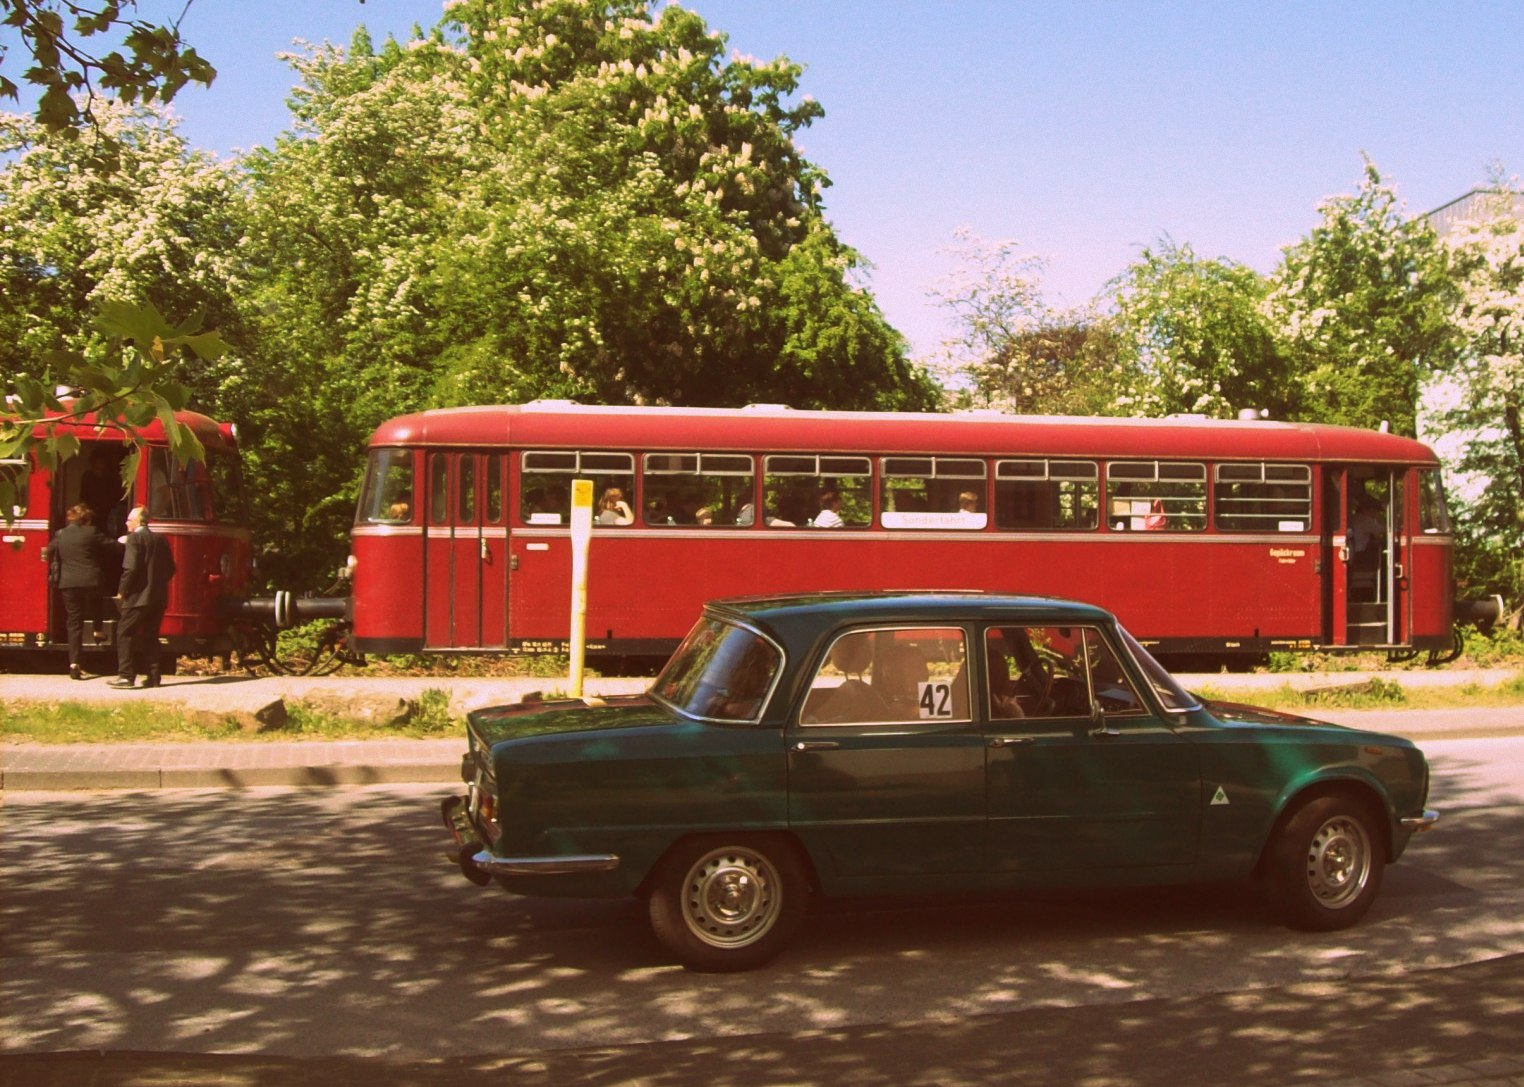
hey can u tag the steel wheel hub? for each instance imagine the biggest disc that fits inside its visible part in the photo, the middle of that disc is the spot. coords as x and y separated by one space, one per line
731 898
1338 862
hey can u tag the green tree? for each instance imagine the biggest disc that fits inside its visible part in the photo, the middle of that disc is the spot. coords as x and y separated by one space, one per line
129 383
70 75
1364 307
1010 349
1194 337
642 227
564 199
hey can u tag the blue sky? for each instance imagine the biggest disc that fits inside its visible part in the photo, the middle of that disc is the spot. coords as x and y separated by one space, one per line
1085 130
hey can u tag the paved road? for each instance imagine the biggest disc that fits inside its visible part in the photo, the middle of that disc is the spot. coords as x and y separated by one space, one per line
316 935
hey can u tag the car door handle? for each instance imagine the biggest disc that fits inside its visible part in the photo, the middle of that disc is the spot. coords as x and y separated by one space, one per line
816 745
1011 741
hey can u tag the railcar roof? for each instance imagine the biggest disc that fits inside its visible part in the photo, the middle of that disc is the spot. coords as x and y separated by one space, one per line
562 424
86 427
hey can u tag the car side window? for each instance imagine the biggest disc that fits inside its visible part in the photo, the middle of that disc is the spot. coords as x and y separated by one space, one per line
891 675
1038 672
1113 691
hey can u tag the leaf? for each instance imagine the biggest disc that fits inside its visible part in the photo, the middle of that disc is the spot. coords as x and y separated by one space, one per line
138 322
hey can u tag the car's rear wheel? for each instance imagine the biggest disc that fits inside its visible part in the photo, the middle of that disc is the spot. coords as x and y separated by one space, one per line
1328 864
728 903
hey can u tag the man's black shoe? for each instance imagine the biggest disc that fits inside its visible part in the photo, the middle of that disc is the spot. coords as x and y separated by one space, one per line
150 683
75 673
122 683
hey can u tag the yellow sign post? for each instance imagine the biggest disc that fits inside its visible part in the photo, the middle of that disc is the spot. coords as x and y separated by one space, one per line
581 541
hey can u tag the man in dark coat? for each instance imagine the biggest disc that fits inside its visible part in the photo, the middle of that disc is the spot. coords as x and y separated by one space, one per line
78 553
147 567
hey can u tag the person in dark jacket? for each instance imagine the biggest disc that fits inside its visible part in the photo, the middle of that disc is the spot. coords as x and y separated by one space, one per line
143 595
78 553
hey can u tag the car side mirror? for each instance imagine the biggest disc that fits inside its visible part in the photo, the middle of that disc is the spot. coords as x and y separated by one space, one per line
1099 726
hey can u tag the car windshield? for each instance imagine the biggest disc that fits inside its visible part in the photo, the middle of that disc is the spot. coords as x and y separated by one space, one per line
1176 698
721 672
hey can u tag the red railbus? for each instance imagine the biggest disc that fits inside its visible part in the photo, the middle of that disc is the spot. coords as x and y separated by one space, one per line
199 508
1204 536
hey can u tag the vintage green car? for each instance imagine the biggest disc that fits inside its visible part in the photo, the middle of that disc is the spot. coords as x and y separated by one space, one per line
877 743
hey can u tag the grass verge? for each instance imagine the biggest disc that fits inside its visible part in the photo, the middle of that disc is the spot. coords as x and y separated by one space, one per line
427 716
1375 694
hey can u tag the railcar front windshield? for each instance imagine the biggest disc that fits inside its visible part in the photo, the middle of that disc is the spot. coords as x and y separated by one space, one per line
1176 698
721 672
387 495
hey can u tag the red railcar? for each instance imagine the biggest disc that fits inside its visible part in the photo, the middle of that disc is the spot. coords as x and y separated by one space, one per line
198 507
1204 536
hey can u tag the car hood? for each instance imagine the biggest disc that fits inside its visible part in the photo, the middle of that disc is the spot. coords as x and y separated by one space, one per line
493 724
1236 713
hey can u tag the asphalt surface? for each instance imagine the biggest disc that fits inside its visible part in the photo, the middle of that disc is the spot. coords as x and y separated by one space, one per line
264 758
1300 1034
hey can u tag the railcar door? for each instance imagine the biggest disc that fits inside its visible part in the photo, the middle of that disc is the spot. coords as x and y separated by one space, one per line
23 573
1368 537
465 552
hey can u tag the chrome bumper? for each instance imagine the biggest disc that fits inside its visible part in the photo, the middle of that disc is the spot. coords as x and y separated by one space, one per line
479 864
1419 823
492 864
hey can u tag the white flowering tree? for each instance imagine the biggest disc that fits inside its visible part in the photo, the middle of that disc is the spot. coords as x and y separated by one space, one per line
566 198
89 252
1476 420
1193 337
160 226
1363 305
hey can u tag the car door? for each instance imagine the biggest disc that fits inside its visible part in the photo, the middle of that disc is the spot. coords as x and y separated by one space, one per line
1082 774
886 763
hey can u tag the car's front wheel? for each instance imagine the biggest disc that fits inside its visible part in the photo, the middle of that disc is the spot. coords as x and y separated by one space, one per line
1328 864
728 903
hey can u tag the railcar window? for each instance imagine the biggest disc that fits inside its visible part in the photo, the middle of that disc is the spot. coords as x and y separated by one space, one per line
546 475
704 489
226 472
387 495
1156 495
439 489
797 489
178 492
891 676
494 490
466 513
1056 495
13 497
1263 497
1433 517
934 493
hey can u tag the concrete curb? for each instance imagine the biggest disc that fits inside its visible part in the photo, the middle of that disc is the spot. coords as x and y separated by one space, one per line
259 762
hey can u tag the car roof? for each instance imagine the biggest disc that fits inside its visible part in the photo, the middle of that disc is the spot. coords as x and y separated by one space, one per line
907 605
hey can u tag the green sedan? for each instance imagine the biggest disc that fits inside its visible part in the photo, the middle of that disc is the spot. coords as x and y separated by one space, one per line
883 743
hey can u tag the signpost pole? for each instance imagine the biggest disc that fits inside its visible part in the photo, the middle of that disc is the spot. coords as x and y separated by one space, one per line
581 541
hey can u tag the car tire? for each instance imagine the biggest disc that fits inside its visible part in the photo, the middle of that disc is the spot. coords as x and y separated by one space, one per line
1328 864
726 903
